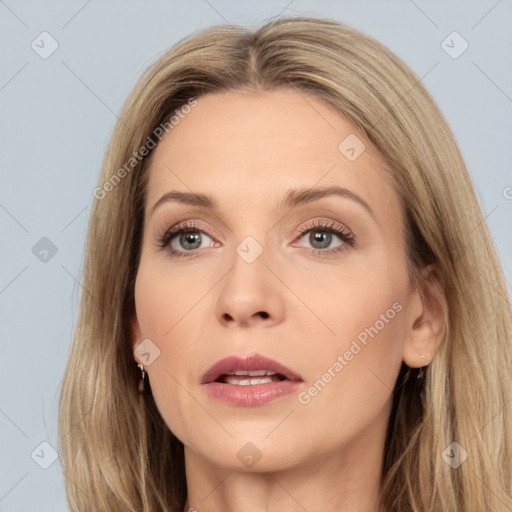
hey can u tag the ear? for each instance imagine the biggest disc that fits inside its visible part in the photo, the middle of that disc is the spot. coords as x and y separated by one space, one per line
426 320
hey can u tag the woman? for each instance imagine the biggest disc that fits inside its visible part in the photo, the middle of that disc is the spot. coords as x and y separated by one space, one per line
292 301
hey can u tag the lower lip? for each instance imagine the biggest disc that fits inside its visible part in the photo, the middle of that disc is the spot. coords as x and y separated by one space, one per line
252 396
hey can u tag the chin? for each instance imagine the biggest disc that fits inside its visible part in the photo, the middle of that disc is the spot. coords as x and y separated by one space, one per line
253 453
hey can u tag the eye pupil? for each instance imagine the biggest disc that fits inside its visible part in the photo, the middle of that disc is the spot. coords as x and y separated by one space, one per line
321 236
190 238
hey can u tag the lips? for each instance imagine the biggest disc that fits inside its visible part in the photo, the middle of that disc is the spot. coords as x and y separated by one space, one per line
251 381
250 367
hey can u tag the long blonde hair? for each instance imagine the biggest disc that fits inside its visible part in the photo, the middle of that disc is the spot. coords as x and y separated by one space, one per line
118 454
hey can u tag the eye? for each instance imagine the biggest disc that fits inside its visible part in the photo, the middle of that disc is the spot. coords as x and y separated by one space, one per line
322 234
185 239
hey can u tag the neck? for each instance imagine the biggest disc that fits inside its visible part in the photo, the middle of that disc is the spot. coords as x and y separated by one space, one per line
344 480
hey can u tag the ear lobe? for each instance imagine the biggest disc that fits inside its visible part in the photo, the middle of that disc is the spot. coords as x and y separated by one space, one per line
428 316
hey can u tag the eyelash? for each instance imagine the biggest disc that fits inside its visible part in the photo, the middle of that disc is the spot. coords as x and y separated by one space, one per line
330 227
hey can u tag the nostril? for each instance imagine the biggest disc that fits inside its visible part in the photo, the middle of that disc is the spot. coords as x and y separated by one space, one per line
263 314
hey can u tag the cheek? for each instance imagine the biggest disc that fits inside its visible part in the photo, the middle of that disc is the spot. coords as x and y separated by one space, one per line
169 300
363 304
353 369
162 298
170 306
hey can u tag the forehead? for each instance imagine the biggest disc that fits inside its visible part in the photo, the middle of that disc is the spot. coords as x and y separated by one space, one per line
248 149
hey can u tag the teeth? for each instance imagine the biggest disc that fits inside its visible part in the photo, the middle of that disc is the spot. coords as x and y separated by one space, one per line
247 382
254 373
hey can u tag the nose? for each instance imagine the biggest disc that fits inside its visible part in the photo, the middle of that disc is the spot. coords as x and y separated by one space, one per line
250 296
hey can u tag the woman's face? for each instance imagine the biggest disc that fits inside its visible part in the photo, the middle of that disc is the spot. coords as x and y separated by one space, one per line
316 282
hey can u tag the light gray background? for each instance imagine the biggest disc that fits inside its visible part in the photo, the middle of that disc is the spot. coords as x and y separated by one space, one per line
57 115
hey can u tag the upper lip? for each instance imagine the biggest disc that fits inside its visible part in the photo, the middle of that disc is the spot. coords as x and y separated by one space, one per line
230 364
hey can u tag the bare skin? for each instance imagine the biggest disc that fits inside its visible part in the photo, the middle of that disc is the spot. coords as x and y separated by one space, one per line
303 302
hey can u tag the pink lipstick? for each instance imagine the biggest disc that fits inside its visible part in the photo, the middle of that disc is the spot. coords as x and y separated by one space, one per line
250 381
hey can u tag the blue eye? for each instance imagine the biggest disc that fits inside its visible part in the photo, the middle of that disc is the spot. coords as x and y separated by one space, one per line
189 238
321 236
187 235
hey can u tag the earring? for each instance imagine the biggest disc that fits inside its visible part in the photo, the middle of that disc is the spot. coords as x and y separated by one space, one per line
143 374
421 371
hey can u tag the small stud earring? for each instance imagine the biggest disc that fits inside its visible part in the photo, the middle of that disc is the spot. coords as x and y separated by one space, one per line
422 369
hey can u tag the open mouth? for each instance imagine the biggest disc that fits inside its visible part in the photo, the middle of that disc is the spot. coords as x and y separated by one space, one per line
252 370
251 377
250 381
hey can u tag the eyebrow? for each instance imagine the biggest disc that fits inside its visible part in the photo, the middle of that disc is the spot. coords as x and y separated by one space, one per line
292 199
